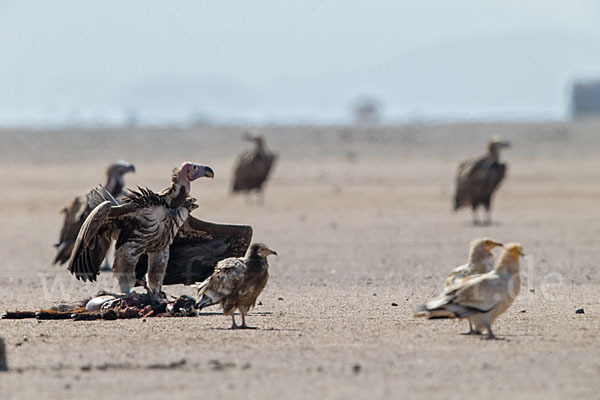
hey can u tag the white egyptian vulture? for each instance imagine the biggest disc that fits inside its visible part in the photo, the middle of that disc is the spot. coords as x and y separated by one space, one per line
480 298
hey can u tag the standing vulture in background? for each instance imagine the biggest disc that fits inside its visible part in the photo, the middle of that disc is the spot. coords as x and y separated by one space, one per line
478 179
79 210
253 167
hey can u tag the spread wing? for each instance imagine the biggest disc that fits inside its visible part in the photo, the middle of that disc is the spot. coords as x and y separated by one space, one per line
91 245
197 248
227 277
94 237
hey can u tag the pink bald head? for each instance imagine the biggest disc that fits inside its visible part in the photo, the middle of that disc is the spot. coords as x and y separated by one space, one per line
190 171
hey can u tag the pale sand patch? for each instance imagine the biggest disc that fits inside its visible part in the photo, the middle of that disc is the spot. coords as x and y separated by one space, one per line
361 219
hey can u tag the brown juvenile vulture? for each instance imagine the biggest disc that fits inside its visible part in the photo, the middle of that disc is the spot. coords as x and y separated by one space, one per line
236 283
478 179
79 210
253 167
155 235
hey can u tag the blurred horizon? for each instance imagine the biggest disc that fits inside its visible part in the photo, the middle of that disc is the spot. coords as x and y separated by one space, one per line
158 63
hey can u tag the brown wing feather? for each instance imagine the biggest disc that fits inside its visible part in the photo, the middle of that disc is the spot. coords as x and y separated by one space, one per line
94 238
228 275
494 177
91 245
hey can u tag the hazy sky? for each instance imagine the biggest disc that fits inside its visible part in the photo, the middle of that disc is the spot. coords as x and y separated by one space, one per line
292 61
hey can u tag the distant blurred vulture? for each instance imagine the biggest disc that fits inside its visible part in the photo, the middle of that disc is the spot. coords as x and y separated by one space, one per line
79 210
478 179
253 167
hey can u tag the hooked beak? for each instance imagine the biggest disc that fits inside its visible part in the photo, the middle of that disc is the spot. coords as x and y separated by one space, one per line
124 167
195 171
209 173
273 252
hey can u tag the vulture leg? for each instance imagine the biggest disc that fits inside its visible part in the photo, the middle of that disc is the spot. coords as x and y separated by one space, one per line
124 268
471 330
260 197
476 220
105 267
157 266
106 264
244 326
490 335
233 324
488 218
488 214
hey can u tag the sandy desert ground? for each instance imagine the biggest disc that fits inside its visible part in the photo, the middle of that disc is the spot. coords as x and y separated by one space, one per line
361 220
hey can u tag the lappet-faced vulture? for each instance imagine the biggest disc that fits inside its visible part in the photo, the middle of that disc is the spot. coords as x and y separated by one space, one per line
236 283
79 209
253 167
155 235
478 179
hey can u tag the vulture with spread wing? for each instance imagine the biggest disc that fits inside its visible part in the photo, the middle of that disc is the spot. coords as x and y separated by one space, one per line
478 179
156 237
253 167
78 211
